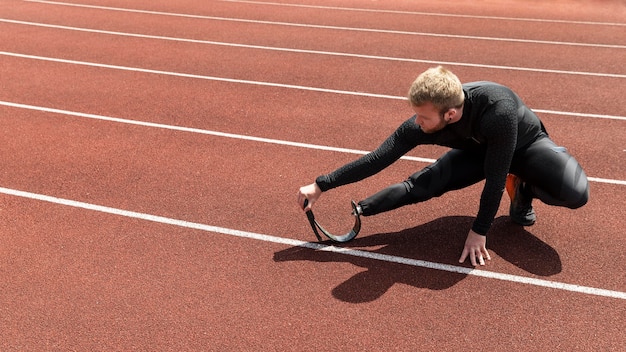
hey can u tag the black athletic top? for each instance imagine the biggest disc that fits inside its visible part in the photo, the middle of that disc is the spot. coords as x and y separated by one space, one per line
494 121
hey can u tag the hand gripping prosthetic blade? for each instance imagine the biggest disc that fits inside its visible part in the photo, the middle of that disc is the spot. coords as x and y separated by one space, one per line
337 238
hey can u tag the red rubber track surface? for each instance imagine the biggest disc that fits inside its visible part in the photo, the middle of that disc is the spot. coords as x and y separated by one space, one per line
76 276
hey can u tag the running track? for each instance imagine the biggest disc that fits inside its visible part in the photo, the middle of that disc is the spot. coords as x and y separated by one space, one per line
152 151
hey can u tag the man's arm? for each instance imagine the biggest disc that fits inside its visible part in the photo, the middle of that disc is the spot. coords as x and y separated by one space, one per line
499 128
406 137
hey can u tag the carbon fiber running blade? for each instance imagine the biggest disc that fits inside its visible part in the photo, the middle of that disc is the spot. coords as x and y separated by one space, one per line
311 217
348 236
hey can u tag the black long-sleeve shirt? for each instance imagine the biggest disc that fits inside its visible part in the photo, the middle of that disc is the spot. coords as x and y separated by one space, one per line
494 120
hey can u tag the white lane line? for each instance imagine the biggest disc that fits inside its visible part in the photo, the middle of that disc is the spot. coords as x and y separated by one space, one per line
367 30
316 246
201 131
210 78
235 136
313 52
267 84
419 13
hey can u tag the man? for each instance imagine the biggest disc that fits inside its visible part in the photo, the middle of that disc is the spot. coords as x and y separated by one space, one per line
494 137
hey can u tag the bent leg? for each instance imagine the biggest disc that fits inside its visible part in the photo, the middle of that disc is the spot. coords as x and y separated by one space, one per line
554 176
454 170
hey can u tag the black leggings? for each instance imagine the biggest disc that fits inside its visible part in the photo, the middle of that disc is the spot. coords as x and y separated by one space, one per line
554 175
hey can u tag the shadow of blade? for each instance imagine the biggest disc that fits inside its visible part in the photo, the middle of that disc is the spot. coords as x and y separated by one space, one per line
422 242
439 241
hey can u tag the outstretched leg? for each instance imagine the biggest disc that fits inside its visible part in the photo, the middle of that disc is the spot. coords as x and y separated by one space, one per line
454 170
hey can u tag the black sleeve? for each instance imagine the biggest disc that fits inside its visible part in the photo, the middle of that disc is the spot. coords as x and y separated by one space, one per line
405 138
499 126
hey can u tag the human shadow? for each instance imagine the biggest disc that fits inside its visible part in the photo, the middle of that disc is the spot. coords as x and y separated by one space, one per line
439 241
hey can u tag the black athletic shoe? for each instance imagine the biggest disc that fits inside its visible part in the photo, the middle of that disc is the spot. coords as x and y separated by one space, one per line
521 210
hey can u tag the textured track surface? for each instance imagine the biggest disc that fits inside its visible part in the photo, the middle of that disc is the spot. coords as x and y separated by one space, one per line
152 151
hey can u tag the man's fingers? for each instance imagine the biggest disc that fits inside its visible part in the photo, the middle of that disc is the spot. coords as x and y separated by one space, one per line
463 256
482 255
477 258
303 201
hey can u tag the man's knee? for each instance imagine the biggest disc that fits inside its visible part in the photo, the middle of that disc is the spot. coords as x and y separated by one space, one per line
422 185
576 188
581 199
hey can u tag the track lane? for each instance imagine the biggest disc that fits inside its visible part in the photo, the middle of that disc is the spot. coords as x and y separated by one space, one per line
538 13
165 288
219 106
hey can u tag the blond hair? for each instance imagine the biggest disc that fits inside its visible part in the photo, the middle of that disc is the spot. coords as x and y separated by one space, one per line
438 86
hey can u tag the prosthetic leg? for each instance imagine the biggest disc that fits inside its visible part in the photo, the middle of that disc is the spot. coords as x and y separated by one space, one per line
337 238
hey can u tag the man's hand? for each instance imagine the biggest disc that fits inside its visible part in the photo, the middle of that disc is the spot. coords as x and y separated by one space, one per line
311 192
475 249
